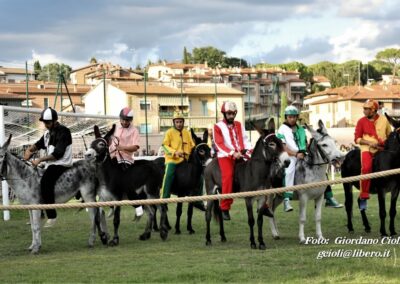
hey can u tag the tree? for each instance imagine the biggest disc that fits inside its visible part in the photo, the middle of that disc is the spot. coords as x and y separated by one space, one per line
392 56
305 73
234 62
50 72
93 60
37 67
187 57
209 54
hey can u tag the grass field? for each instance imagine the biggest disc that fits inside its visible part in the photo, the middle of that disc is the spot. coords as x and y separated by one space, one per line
185 258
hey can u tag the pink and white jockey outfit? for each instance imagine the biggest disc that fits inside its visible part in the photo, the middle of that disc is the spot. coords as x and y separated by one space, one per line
123 137
229 138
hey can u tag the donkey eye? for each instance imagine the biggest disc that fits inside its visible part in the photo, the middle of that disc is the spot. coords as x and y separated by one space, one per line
325 145
272 144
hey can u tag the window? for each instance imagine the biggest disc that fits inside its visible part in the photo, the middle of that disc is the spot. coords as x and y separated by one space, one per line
142 105
142 129
317 109
204 108
346 106
45 102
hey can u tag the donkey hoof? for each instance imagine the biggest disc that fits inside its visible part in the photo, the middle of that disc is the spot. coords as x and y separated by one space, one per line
144 236
223 239
113 242
302 241
104 238
262 247
163 234
368 230
35 250
276 237
393 234
191 232
253 246
177 232
208 243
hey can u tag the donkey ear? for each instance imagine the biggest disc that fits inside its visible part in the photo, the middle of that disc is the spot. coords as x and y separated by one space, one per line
258 128
394 122
110 132
97 133
309 128
205 136
321 127
271 124
7 143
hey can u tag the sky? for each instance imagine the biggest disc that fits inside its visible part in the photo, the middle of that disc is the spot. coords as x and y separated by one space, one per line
131 32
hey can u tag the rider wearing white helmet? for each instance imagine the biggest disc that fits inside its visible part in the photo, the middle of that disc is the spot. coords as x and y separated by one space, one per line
295 140
231 142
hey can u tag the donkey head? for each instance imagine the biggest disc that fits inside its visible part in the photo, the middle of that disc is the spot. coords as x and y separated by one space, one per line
3 155
99 147
201 151
325 145
271 146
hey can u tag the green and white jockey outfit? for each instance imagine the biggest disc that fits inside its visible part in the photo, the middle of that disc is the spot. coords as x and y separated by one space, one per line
296 140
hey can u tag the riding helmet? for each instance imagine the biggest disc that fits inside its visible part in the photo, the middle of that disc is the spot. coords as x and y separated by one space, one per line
126 114
48 114
291 110
229 106
372 104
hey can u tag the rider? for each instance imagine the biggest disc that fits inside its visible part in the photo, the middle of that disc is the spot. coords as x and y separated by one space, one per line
125 142
295 142
57 141
371 132
177 145
232 143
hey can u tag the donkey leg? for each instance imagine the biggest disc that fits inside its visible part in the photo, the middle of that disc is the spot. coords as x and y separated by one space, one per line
393 212
318 216
208 216
221 224
95 223
348 196
189 218
178 218
103 231
250 221
36 233
382 211
150 217
272 221
163 222
302 217
116 222
155 224
260 220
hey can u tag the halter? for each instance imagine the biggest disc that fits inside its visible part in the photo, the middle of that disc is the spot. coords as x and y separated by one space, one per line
321 152
4 165
269 135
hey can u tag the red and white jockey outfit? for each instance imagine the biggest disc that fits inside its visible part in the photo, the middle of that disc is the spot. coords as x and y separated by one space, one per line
228 139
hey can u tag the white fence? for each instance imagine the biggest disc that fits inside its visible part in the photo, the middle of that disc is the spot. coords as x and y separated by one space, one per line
26 129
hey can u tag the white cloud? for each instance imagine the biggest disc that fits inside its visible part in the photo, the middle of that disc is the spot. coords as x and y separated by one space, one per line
347 46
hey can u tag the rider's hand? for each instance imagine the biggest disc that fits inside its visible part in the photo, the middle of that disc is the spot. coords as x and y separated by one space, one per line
27 155
300 155
236 155
36 162
178 154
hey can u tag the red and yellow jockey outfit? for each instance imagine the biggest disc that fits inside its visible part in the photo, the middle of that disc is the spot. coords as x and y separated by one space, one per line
375 131
228 138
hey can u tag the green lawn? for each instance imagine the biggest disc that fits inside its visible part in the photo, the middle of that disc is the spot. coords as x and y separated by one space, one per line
185 258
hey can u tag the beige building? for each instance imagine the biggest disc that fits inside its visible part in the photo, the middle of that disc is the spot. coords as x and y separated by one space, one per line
196 102
342 107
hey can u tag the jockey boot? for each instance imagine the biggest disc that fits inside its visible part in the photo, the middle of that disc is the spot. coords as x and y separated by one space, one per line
266 211
225 215
362 204
286 205
333 203
50 223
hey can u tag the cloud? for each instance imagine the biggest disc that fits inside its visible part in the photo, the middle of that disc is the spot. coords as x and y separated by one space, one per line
130 32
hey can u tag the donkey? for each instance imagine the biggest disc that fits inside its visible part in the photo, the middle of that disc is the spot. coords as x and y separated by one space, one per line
138 181
387 159
251 175
25 181
188 179
322 151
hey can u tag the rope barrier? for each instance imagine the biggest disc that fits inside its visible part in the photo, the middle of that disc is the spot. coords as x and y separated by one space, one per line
263 192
